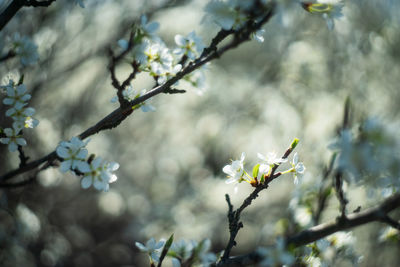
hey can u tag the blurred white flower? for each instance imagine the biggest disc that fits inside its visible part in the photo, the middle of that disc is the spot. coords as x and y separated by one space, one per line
277 255
191 45
80 3
123 44
227 14
73 154
302 216
183 249
25 49
12 139
148 29
152 248
98 173
342 239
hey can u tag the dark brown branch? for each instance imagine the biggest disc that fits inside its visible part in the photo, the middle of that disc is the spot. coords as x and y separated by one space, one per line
22 157
375 214
113 119
315 233
7 56
338 178
234 216
27 181
16 5
35 3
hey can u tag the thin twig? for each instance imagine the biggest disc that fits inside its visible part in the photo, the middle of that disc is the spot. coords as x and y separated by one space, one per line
234 216
375 214
16 5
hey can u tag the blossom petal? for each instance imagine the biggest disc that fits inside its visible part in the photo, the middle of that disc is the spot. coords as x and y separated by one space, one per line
86 182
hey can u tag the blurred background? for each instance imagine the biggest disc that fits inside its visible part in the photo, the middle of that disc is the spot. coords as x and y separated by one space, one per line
257 99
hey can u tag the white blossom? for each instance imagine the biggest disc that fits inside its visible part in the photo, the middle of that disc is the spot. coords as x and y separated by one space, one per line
152 248
12 139
25 49
191 45
16 96
227 14
277 255
73 154
235 170
98 173
148 29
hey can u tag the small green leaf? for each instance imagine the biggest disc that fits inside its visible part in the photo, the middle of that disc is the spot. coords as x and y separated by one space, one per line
255 170
165 249
169 242
21 80
294 143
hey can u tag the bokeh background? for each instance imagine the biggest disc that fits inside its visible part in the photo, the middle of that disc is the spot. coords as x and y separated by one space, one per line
257 99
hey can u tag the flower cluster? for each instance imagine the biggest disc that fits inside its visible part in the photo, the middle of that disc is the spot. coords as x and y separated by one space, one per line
96 172
17 98
154 57
25 49
261 171
152 248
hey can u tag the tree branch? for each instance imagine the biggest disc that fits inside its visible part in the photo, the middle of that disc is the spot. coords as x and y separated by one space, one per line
113 119
375 214
16 5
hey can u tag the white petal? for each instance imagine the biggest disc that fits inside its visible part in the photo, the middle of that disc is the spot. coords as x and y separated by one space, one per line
180 40
141 247
96 163
99 185
12 147
83 166
175 262
300 168
9 132
62 152
65 166
123 44
21 141
8 101
295 158
86 182
152 27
